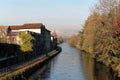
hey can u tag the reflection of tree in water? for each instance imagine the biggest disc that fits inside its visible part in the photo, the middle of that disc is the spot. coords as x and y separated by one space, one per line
94 70
88 66
101 72
53 69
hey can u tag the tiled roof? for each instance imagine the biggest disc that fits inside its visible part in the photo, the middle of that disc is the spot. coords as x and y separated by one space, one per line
27 26
3 27
15 27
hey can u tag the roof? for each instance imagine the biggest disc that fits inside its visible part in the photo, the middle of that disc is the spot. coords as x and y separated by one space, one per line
47 30
4 27
27 26
15 27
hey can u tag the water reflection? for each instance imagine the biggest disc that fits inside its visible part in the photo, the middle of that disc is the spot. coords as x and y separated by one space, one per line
94 70
67 65
71 64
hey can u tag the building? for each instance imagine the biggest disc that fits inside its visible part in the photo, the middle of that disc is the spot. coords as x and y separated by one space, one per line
46 39
54 40
42 42
3 31
15 30
3 34
32 27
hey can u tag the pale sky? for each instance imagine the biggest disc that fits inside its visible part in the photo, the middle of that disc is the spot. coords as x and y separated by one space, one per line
64 16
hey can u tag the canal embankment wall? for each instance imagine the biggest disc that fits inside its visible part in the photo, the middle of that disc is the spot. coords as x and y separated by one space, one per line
25 71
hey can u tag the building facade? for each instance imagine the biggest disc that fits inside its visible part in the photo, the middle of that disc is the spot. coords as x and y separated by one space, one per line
42 42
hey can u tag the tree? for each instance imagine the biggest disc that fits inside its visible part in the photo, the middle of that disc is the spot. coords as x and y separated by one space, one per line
116 33
74 40
105 6
90 27
25 41
97 34
59 39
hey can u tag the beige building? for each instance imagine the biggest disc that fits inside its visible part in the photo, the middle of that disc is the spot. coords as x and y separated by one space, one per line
3 31
42 42
16 29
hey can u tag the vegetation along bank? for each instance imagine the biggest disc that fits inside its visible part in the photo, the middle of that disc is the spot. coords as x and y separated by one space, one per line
100 35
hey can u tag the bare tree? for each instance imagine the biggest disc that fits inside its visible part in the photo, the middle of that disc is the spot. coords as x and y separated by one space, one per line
106 5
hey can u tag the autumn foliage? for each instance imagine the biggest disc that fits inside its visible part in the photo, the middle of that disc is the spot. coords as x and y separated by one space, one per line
101 34
116 27
116 33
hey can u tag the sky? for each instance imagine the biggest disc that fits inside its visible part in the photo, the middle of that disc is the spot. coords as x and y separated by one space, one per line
66 17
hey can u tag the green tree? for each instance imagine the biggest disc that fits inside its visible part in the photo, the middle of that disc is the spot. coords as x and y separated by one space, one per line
25 41
59 39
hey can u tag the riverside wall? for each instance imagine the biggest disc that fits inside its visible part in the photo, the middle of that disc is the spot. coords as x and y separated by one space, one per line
23 72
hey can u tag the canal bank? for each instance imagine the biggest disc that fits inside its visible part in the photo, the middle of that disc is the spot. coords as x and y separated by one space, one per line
71 64
23 72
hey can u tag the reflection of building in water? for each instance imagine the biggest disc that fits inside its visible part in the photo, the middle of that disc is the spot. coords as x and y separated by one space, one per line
42 73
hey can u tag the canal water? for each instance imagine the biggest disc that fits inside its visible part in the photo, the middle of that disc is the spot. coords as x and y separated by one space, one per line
71 64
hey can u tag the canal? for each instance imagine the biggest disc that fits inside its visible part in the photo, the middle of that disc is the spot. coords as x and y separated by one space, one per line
71 64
